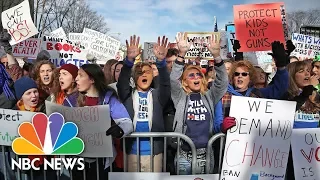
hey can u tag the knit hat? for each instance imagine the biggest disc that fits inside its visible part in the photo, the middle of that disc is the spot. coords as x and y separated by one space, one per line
72 69
22 85
43 55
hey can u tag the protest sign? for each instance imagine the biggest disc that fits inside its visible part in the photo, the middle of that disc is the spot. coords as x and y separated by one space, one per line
284 22
59 33
258 146
305 144
194 177
199 42
27 48
81 39
10 121
119 55
63 51
18 22
103 47
306 46
92 122
231 33
261 59
148 54
137 175
223 44
258 25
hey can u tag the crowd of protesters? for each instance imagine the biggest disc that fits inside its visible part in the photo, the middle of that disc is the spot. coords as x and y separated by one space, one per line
168 95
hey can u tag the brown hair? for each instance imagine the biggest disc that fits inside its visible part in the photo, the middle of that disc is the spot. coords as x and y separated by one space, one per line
293 68
36 75
107 71
247 65
137 69
204 83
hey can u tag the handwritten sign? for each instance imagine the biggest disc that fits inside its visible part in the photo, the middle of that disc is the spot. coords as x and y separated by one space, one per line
27 48
258 25
18 22
10 121
194 177
63 51
103 47
137 175
258 146
306 46
199 41
81 39
261 59
92 122
148 54
59 33
305 145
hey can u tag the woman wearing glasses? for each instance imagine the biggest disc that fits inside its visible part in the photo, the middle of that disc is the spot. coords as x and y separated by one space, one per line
195 104
243 77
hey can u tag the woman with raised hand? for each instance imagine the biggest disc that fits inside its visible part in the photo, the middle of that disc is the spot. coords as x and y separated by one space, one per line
94 91
145 104
67 92
194 103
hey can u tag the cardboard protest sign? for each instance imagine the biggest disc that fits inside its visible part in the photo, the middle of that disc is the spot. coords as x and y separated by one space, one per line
148 54
27 48
103 47
137 175
258 25
305 144
81 39
199 42
92 122
258 146
58 33
306 46
194 177
18 22
231 33
10 121
64 51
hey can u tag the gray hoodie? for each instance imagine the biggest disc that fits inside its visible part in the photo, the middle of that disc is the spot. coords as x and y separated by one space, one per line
181 99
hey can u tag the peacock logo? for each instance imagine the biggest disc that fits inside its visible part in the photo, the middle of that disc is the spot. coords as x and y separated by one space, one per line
48 136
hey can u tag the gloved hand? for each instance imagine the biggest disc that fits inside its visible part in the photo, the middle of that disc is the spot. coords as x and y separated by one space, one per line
115 130
4 41
228 122
307 91
279 54
290 47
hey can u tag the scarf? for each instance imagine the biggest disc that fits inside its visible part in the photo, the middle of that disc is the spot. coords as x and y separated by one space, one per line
135 99
235 92
5 81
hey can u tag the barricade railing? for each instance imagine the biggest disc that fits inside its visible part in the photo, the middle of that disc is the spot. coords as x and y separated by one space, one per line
165 135
209 155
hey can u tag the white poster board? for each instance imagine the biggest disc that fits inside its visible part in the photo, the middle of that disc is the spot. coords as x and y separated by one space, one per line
199 42
92 122
195 177
18 22
305 144
137 176
103 47
59 33
11 120
261 59
27 48
258 146
306 46
81 39
148 54
63 51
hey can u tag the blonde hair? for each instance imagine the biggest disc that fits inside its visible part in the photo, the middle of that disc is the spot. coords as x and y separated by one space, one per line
247 65
203 85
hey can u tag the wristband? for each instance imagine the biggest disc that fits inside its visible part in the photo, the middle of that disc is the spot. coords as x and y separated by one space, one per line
180 56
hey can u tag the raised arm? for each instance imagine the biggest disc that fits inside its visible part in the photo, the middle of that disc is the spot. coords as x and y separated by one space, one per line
123 85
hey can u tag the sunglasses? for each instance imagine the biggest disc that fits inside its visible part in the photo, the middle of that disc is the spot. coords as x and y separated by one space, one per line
244 74
195 75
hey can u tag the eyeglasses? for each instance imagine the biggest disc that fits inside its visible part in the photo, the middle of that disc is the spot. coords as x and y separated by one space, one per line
195 75
244 74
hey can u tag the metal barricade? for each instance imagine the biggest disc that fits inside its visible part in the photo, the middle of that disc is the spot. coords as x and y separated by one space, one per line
210 151
164 135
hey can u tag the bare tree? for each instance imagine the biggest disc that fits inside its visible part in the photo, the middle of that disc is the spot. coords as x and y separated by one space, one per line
71 15
298 18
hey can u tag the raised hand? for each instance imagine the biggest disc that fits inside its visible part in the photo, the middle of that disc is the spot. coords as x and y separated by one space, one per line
214 45
183 44
133 49
160 50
